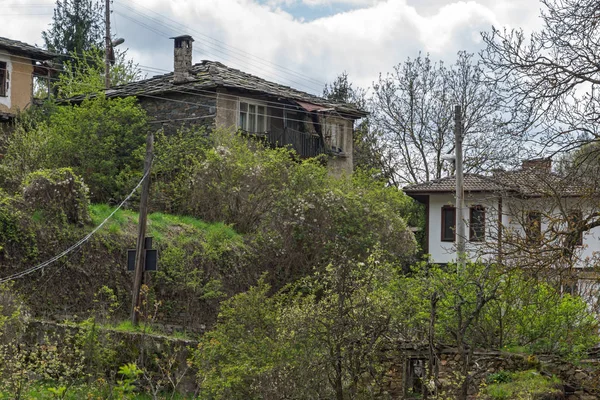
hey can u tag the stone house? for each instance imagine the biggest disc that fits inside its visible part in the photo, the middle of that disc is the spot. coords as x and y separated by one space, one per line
19 63
212 94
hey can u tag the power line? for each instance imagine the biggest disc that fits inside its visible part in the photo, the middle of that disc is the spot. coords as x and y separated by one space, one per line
227 46
242 62
74 246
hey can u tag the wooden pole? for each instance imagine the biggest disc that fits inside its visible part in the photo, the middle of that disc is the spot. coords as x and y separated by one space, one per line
140 253
460 193
107 45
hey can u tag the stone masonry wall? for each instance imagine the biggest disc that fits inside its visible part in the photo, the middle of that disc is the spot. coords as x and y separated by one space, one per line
175 110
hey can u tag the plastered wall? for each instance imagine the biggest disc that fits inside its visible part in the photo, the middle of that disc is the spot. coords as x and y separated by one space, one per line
20 83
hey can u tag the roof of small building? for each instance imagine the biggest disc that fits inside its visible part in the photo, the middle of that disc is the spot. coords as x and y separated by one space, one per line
472 183
209 75
15 46
525 181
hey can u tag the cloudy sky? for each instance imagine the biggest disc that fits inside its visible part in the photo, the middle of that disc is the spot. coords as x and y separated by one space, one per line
302 43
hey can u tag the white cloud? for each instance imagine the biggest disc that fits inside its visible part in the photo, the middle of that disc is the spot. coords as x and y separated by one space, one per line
253 37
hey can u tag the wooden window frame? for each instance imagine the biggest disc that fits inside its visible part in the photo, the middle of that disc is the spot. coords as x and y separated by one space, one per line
529 234
573 222
444 210
472 235
3 79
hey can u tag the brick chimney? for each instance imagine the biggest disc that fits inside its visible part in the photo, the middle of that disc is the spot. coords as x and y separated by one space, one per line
182 58
540 164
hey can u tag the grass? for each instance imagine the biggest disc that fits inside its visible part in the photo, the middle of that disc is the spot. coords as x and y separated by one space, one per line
95 390
520 385
161 226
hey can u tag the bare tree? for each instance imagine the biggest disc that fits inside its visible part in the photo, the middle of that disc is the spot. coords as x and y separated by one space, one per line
552 78
412 110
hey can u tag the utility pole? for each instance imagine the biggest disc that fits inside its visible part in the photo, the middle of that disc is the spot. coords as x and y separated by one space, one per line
140 253
107 45
460 192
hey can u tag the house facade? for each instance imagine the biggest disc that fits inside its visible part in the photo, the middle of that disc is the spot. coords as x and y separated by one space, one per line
527 218
210 94
19 63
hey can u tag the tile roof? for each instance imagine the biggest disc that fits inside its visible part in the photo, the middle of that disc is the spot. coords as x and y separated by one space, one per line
14 46
209 75
526 182
472 183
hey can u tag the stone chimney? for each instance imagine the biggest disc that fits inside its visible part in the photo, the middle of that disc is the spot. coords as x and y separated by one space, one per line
540 164
182 58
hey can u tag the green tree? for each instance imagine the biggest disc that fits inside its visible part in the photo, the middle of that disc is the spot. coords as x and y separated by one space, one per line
84 73
77 26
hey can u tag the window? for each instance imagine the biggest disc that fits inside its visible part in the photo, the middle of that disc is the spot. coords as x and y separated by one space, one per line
533 229
448 224
336 136
294 120
253 117
575 219
3 79
570 287
477 224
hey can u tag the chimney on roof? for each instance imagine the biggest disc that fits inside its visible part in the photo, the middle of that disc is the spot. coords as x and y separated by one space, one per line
182 58
540 164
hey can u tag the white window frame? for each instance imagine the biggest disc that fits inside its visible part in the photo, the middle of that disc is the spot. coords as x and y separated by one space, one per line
250 123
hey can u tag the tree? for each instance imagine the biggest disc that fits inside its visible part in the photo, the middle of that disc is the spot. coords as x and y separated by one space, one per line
84 73
552 79
77 26
412 108
368 153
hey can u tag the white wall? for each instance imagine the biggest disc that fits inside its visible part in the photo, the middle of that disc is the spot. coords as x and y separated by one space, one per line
445 252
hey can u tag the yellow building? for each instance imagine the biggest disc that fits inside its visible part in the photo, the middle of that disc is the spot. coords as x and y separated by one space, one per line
19 63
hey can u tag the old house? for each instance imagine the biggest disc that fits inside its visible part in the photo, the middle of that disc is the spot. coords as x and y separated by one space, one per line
19 63
529 217
212 94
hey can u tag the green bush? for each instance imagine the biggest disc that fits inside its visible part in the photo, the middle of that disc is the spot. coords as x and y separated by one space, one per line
101 139
523 385
59 194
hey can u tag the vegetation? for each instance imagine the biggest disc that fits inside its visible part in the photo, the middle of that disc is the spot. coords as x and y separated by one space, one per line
521 385
276 279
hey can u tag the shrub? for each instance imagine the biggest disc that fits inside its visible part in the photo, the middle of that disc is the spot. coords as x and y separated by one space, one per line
59 194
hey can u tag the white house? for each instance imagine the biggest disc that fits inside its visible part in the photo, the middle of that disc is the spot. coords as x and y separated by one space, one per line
526 217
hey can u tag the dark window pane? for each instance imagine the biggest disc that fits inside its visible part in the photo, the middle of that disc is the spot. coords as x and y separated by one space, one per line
533 230
3 74
575 229
448 223
477 224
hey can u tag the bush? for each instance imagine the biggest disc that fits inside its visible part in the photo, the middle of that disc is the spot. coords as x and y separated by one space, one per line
13 315
295 215
524 385
101 139
59 194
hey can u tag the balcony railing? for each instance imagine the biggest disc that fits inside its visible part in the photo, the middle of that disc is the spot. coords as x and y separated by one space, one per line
305 144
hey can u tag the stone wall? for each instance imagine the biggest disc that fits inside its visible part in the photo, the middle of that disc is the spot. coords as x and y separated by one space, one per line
180 110
580 383
136 347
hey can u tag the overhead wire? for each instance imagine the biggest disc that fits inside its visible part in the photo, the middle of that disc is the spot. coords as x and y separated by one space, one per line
226 46
243 62
75 246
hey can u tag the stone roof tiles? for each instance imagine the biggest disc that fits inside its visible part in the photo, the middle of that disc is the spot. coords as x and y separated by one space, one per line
15 46
209 75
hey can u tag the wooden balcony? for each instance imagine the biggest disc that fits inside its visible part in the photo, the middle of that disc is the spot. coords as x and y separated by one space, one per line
305 144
